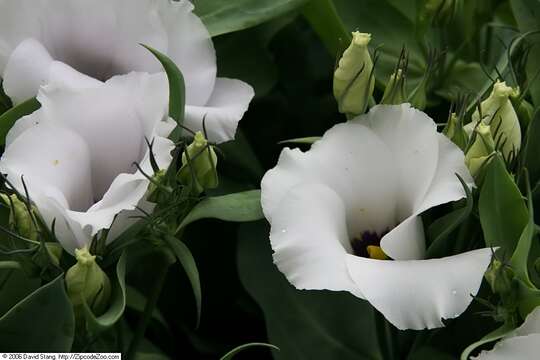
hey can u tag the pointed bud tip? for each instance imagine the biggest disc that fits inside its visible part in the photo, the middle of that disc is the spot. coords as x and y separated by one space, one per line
360 39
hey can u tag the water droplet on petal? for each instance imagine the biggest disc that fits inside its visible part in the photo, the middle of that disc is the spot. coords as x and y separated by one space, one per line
283 231
454 292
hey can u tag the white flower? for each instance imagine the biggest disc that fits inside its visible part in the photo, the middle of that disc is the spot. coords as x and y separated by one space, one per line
42 40
521 344
365 180
77 154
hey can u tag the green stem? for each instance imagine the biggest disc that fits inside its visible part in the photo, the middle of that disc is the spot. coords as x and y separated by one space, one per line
163 264
324 19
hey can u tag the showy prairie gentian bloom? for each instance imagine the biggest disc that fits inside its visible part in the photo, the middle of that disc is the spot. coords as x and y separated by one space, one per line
520 344
72 41
355 198
76 154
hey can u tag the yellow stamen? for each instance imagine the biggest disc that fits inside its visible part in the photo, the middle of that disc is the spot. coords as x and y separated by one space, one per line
375 252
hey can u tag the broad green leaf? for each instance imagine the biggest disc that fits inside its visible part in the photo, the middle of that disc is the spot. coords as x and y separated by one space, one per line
42 322
225 16
186 260
527 15
177 90
230 355
8 119
237 207
442 227
503 213
14 286
105 321
324 19
303 324
429 353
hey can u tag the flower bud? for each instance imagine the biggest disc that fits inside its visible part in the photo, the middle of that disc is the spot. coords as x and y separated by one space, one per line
482 147
499 277
394 94
199 164
438 12
20 218
353 79
86 282
455 132
498 112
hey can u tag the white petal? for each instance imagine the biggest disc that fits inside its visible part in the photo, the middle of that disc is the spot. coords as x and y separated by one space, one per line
310 241
353 161
444 187
412 138
55 214
417 294
125 219
406 241
18 21
225 108
110 124
191 48
516 348
50 157
27 69
531 325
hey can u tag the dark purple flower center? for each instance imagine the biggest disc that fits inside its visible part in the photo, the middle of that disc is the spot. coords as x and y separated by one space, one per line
368 238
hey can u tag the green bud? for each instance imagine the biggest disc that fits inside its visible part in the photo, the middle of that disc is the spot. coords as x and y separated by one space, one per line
394 94
437 12
20 218
455 132
86 282
199 164
353 78
55 252
482 147
499 277
498 112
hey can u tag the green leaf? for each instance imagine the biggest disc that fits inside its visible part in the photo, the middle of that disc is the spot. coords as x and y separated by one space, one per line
8 119
442 227
520 257
323 17
237 207
303 324
527 15
177 90
185 257
532 149
137 301
105 321
503 213
42 322
306 140
225 16
230 355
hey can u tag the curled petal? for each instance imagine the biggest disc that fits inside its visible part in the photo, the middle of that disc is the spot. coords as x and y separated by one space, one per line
311 253
418 294
225 108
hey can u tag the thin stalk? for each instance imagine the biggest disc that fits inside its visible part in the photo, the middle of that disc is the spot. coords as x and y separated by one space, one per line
163 264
